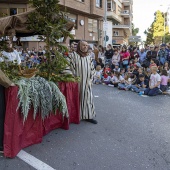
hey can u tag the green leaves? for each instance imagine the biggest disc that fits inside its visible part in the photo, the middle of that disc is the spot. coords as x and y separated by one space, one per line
51 24
44 96
156 31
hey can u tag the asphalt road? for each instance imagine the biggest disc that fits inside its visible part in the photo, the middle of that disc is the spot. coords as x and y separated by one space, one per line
133 133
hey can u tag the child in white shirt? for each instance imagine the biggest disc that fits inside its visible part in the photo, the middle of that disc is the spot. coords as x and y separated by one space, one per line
97 75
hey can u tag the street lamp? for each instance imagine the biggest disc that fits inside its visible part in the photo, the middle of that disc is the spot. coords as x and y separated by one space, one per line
164 21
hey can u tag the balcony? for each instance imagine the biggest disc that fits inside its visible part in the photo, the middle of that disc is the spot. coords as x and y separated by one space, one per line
127 2
111 14
127 28
125 13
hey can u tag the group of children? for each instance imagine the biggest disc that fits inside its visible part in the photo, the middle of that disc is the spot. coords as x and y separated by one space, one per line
145 81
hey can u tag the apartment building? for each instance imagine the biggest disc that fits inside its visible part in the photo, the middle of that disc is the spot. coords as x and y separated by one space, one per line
88 18
86 14
120 13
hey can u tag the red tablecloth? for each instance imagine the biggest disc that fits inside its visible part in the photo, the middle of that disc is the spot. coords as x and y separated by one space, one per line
19 134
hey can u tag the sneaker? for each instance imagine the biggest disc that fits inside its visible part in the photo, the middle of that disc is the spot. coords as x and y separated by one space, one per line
132 90
141 93
160 91
110 85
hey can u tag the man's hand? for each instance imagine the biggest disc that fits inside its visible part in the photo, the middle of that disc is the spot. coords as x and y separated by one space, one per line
12 84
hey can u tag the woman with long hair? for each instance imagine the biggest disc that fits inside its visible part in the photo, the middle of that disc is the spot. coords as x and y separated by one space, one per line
124 57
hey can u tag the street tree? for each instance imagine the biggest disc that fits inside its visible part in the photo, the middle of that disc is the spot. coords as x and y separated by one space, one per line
50 24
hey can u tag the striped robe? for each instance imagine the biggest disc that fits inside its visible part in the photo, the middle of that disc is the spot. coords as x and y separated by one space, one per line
83 67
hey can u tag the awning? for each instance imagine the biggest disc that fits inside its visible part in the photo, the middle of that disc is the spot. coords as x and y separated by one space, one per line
17 25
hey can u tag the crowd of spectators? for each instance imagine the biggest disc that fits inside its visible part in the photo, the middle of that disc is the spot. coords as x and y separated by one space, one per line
145 71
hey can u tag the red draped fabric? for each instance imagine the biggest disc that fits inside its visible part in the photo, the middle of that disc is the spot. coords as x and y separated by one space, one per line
19 134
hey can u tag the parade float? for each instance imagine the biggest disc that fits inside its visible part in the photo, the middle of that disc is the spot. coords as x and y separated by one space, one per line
45 97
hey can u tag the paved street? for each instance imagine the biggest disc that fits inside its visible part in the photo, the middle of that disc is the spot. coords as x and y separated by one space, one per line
133 133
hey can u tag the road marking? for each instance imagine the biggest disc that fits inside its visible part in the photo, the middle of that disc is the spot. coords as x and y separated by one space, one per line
33 161
96 96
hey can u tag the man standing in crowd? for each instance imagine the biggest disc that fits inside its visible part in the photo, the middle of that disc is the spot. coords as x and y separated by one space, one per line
146 48
168 50
142 55
82 66
109 54
151 54
162 54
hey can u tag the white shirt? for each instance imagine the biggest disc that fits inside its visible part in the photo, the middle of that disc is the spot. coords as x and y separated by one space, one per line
154 79
117 80
11 56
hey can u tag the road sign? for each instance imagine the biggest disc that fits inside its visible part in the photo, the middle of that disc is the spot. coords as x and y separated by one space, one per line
105 26
131 37
135 40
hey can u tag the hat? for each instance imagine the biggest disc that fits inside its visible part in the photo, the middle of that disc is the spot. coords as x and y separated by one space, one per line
151 46
163 45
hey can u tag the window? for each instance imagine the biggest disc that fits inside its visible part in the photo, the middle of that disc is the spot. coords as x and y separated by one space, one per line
73 18
92 25
115 33
99 3
111 6
13 11
21 10
3 12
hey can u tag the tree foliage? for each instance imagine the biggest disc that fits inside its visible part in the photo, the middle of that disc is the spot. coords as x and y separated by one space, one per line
135 31
50 24
149 33
158 25
156 31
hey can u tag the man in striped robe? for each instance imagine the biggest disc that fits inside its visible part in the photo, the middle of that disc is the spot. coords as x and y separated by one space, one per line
82 66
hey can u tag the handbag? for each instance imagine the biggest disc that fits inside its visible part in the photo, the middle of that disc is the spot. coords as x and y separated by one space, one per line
125 62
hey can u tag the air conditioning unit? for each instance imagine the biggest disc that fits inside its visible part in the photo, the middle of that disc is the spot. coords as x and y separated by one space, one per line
126 11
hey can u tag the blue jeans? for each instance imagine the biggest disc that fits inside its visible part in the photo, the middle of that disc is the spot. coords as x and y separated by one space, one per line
152 92
136 89
124 86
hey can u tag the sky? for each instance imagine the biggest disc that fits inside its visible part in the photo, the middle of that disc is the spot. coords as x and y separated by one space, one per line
143 13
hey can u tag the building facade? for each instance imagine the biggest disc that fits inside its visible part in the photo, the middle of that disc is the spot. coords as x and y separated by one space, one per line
86 14
120 12
88 18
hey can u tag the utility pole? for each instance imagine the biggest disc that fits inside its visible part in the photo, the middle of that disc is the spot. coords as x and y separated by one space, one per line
105 20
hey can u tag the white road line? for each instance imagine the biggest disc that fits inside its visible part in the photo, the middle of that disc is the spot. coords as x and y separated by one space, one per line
33 161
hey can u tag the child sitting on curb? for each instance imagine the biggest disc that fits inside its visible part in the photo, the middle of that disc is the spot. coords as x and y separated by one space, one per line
164 82
97 75
117 79
140 85
154 83
126 85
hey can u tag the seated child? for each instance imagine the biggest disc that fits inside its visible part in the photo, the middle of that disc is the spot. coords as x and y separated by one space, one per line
126 85
164 81
154 83
116 68
107 80
97 75
140 85
122 72
116 79
106 71
152 63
